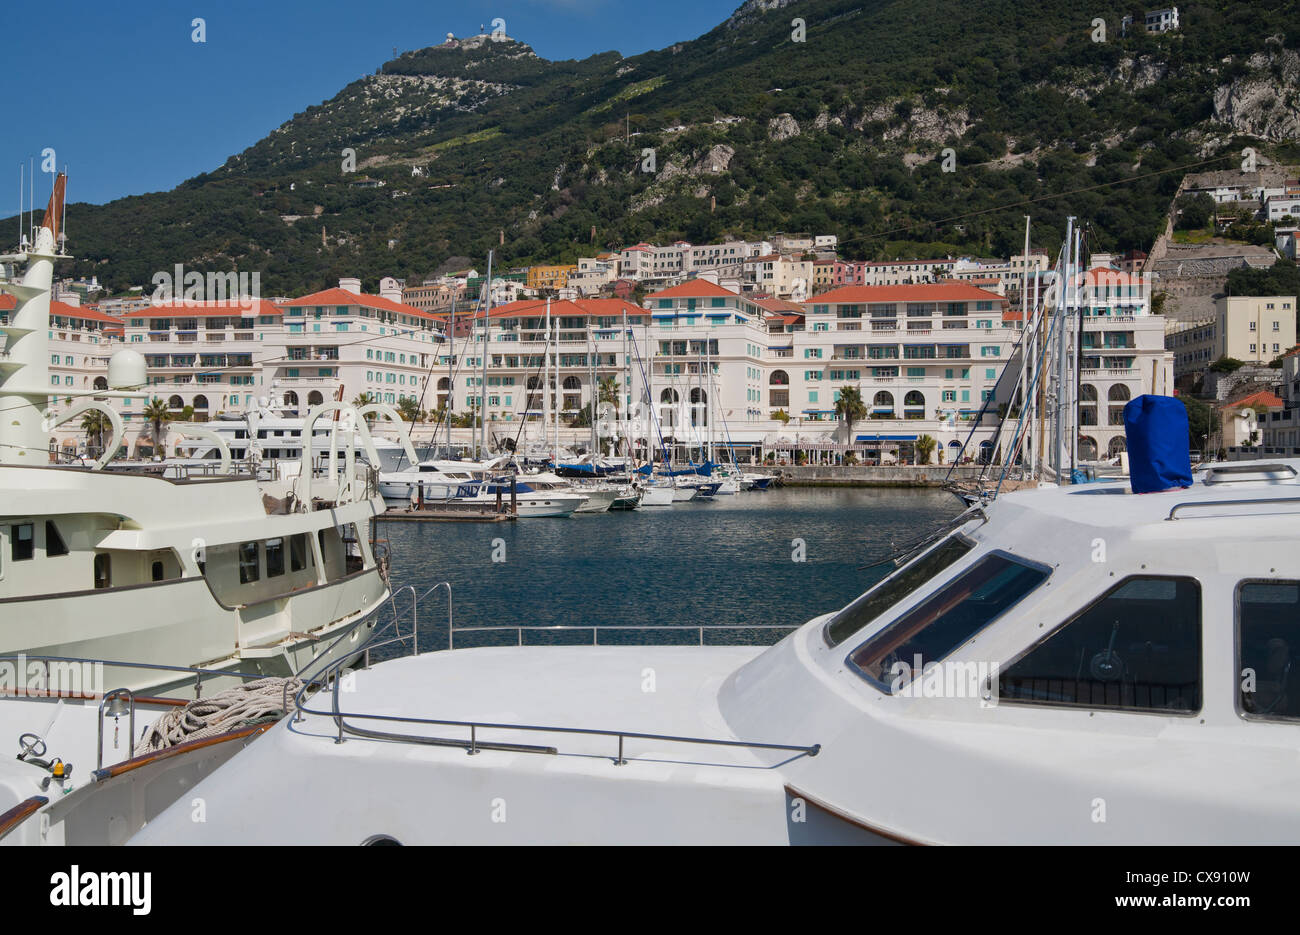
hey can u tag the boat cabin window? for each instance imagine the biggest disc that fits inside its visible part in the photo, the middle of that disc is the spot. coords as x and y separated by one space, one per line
248 570
893 589
156 572
947 619
21 542
274 557
1136 648
1268 637
54 544
103 569
298 551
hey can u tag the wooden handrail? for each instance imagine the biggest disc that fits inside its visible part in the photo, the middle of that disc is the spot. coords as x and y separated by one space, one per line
20 813
126 766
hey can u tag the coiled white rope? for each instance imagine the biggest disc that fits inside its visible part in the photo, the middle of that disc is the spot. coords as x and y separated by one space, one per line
233 708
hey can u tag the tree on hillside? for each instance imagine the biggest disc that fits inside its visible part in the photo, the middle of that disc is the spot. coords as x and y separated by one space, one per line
1194 211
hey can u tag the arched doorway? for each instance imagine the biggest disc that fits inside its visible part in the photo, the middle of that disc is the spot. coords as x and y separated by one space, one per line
175 402
668 401
200 408
778 390
914 405
1117 396
699 406
1117 444
314 398
882 405
1087 448
572 399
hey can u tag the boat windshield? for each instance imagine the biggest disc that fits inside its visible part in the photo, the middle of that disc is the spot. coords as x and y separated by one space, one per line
894 588
947 619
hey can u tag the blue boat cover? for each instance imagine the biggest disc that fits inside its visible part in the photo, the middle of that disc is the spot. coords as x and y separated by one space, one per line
1155 429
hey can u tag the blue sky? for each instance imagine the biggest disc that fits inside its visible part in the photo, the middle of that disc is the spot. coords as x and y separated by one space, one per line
131 104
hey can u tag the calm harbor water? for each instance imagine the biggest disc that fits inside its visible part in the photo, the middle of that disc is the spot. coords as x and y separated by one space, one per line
728 562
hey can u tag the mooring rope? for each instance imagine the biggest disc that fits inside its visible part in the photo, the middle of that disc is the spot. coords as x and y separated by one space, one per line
251 703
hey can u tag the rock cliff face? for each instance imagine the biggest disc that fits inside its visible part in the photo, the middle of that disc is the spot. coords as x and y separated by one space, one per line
1264 103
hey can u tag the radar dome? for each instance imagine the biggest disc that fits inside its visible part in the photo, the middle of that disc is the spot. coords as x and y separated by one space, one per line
126 370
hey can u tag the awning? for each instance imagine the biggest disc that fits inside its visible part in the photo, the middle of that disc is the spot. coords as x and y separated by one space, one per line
886 438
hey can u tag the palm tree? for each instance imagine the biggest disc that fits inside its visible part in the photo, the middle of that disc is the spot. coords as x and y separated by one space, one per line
924 448
365 399
95 423
850 408
156 413
608 392
409 409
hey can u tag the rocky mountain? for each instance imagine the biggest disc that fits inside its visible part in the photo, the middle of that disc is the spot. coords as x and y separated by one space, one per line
904 126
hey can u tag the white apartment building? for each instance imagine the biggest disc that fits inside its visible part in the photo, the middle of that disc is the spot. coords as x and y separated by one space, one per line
905 272
584 333
1162 20
925 359
1123 356
1280 206
786 277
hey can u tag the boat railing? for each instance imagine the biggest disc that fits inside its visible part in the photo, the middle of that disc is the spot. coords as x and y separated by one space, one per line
698 631
331 678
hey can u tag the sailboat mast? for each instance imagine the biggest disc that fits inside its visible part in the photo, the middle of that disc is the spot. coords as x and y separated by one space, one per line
451 379
482 389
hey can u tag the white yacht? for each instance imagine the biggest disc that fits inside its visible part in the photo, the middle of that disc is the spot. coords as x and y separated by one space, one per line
1070 665
220 570
436 480
271 432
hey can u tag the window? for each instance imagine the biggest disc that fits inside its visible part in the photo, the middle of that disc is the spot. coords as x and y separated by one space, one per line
21 542
1268 631
1137 648
248 571
156 571
103 571
298 551
950 617
893 589
274 558
54 544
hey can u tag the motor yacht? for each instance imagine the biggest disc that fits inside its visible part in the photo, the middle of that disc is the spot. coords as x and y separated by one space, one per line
225 569
1067 665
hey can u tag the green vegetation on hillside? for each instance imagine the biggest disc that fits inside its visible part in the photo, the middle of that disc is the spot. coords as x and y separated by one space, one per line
1040 119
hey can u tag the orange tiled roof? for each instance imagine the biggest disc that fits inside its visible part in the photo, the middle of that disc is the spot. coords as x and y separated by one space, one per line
920 292
337 296
1260 398
231 308
694 289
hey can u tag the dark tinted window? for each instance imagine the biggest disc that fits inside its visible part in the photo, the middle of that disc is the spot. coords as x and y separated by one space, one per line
1268 637
248 571
54 544
103 570
274 557
1137 647
950 617
21 542
892 590
298 551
